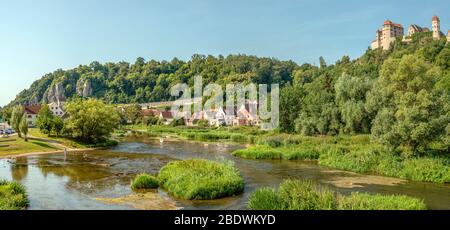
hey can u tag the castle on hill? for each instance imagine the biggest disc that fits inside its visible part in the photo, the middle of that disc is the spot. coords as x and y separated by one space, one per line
390 31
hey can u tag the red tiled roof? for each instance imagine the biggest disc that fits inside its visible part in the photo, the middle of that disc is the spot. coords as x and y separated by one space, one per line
388 22
435 18
150 112
32 109
167 114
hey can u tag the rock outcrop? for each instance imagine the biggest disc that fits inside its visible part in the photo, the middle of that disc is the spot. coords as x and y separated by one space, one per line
84 88
56 93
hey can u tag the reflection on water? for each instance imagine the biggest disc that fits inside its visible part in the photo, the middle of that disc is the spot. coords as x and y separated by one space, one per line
101 179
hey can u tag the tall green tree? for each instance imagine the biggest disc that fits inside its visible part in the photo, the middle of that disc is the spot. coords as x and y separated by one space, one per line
91 120
16 117
45 120
290 106
23 127
411 112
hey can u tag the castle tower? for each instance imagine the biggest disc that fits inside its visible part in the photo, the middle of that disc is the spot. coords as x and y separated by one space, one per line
436 25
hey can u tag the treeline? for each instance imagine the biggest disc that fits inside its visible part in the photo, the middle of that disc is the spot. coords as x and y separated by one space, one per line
150 81
401 96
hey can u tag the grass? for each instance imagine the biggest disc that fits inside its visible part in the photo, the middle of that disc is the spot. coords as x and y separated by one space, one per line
19 146
267 152
364 201
72 142
13 196
198 179
426 168
144 181
232 134
308 195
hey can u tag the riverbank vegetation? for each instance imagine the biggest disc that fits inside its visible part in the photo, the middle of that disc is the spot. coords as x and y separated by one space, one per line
13 196
307 195
197 179
232 134
351 153
89 123
144 181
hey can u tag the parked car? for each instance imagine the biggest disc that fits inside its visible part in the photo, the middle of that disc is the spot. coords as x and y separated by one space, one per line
11 131
2 131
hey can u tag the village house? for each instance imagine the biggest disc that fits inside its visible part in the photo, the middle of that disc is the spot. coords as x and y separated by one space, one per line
57 108
31 114
166 116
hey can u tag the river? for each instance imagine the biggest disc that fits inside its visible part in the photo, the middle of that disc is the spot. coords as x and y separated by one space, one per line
100 179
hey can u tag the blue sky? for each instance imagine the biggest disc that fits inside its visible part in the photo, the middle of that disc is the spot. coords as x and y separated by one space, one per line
37 37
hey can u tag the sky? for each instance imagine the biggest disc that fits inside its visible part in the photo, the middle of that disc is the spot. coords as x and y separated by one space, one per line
38 37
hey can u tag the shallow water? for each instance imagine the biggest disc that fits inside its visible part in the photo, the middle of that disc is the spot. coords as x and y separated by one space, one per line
101 179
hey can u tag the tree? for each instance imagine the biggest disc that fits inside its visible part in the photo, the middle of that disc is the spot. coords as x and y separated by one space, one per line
57 126
411 112
45 120
16 117
290 105
132 113
323 63
350 98
91 119
23 127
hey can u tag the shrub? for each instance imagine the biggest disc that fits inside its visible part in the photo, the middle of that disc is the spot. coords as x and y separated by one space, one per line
198 179
144 181
13 196
364 201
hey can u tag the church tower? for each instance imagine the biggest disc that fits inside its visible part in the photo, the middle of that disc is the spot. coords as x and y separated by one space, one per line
436 28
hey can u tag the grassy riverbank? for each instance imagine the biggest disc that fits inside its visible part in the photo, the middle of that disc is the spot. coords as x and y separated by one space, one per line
15 145
13 196
232 134
307 195
69 142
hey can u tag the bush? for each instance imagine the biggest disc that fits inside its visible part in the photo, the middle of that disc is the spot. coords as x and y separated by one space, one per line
13 196
308 195
364 201
201 179
144 181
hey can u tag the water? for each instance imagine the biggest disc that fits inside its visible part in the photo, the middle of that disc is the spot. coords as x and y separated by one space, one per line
101 179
